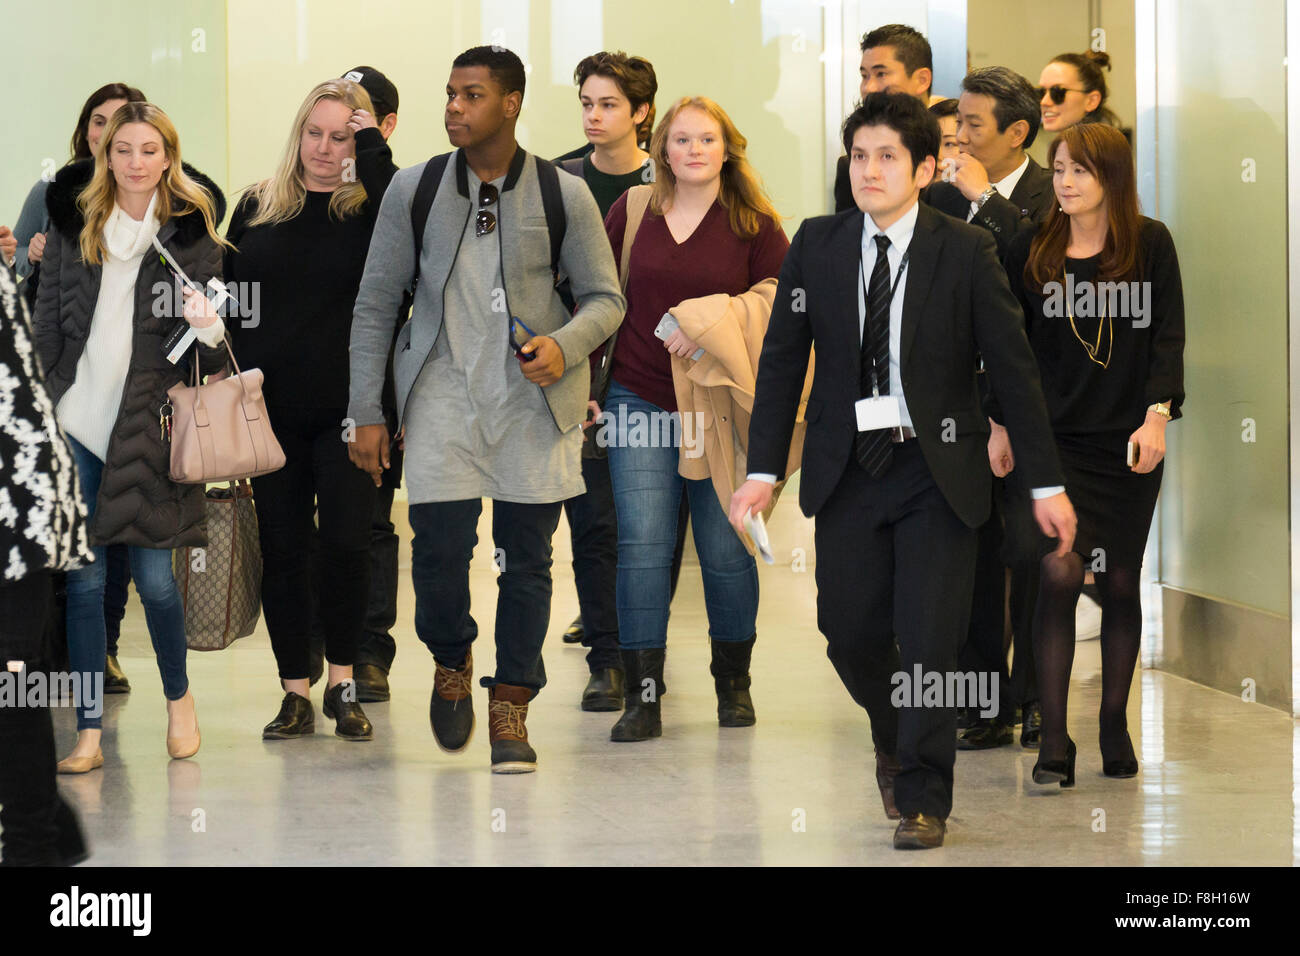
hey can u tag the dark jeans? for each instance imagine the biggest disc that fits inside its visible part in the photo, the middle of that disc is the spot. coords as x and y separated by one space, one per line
377 644
317 478
445 535
29 798
117 582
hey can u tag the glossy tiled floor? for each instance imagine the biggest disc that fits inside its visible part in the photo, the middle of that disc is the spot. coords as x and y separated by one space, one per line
1219 782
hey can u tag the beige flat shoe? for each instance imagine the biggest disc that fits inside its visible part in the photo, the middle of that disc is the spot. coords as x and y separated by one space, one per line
178 748
81 764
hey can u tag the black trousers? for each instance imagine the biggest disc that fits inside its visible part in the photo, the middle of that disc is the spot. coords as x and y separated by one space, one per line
593 528
117 581
984 650
317 479
1020 555
445 535
29 798
895 568
377 645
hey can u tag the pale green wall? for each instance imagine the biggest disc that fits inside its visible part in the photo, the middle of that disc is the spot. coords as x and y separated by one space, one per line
54 55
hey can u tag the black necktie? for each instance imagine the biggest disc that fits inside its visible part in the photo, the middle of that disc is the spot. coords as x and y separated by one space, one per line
875 449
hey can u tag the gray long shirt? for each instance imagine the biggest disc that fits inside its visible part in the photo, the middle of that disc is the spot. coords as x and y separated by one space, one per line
533 459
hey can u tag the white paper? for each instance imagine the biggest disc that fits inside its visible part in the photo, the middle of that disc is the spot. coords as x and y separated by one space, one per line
879 411
757 529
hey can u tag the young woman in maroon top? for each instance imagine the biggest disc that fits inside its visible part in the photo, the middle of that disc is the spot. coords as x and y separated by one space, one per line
709 229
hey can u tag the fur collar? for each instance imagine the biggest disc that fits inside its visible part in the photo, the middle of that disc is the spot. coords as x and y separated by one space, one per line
61 202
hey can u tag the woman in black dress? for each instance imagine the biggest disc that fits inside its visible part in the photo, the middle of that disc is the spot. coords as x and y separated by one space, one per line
1103 304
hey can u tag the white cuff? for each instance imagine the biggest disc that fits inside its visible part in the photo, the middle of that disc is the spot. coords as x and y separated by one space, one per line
770 479
1047 492
213 335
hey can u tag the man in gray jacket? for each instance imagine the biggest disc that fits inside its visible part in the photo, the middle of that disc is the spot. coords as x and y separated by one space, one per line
492 383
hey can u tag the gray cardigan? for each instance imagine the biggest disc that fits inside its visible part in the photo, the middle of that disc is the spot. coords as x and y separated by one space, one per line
585 257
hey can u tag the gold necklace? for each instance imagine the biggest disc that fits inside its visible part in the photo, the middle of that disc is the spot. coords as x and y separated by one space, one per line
1094 350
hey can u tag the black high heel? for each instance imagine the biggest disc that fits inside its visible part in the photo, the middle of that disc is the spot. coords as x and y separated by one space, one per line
1125 765
1057 771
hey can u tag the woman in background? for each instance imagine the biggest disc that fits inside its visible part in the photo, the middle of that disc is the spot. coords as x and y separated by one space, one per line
1072 89
1112 382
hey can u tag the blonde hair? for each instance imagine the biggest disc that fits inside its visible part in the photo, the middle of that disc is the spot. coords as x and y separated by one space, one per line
282 196
178 194
741 191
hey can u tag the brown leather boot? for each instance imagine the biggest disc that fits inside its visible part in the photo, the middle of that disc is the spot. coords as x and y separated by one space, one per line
887 768
507 713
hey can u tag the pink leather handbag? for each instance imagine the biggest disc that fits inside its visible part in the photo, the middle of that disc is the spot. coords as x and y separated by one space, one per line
220 431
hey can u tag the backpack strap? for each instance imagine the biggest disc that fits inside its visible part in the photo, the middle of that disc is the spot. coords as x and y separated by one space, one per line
557 222
638 200
422 203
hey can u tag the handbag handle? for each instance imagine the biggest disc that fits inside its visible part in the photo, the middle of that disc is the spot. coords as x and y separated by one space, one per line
239 374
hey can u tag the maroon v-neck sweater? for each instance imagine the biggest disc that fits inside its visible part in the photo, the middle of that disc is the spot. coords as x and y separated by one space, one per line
662 273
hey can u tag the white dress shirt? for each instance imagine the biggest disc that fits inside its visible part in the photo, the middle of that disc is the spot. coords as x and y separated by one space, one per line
1005 186
900 237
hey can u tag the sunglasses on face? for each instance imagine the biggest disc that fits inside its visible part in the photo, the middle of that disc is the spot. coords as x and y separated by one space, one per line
485 222
1057 93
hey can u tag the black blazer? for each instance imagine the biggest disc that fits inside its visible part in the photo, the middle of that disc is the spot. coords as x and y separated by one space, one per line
1031 202
956 305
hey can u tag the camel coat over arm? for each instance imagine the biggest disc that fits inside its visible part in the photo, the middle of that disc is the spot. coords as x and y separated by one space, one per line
716 394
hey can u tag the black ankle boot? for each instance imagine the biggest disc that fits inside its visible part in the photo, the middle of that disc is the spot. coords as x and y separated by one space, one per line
730 669
350 721
643 687
1117 756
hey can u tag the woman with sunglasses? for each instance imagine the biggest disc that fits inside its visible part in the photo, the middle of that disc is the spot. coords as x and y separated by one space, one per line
301 238
1072 89
709 228
1112 371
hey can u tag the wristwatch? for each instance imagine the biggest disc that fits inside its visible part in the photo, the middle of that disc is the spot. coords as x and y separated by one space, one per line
1162 409
985 196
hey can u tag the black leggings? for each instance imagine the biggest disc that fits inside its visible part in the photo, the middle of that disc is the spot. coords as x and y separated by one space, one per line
317 478
1060 583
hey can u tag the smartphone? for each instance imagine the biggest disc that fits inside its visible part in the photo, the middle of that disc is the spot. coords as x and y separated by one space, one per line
519 352
1132 456
666 327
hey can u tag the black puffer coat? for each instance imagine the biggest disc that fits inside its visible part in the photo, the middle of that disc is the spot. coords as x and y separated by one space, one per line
138 503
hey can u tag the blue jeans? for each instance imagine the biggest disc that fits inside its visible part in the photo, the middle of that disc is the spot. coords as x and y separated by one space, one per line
151 569
647 495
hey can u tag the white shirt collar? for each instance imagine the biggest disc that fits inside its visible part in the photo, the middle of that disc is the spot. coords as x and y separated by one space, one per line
900 233
1007 184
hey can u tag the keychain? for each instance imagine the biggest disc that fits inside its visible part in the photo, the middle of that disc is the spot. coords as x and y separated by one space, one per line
165 422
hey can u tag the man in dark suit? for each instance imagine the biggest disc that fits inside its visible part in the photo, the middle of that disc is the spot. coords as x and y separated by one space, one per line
993 182
895 461
896 58
995 185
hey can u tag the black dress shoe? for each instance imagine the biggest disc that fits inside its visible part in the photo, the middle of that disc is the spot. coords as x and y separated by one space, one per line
1119 761
372 683
575 633
985 735
919 831
1057 771
1031 727
604 691
115 681
350 721
297 718
887 768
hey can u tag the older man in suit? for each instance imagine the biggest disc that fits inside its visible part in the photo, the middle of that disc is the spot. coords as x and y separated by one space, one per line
900 301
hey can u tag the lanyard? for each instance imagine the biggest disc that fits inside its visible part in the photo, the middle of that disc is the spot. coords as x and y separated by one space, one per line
866 307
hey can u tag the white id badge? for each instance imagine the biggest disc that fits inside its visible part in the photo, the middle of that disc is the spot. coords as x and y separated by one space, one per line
879 411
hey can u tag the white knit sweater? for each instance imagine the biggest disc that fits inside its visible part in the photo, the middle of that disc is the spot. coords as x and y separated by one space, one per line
89 408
